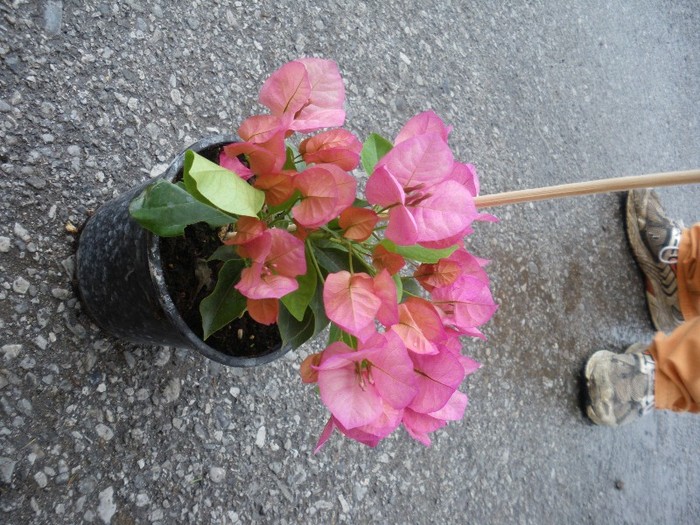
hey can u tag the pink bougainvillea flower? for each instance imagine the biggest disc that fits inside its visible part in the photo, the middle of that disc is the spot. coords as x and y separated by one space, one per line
442 273
412 180
354 301
437 378
355 384
370 434
419 425
420 326
245 230
287 90
262 128
310 91
263 311
420 160
262 158
465 304
385 289
336 146
350 303
325 105
358 223
453 345
422 124
326 191
447 270
465 175
277 259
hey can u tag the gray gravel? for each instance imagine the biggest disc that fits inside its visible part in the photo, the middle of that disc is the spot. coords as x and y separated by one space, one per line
96 96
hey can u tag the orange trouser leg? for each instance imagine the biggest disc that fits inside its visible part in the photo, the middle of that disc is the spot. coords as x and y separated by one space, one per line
688 272
677 356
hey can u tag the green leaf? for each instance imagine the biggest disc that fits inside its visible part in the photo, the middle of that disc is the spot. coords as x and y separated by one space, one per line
411 287
221 187
399 287
319 310
224 253
298 332
333 257
332 260
295 332
336 334
225 303
374 148
418 253
289 163
166 209
297 301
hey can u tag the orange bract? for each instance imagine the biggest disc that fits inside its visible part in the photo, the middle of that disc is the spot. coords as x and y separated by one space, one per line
358 223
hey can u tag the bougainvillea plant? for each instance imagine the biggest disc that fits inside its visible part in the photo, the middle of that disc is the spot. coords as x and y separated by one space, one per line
388 271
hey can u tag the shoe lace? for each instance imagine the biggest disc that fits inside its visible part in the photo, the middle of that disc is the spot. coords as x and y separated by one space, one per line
669 253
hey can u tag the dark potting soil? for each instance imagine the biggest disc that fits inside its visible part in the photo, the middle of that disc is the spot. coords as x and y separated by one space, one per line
181 257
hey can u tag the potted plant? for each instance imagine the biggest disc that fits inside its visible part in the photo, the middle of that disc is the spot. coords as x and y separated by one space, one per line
275 237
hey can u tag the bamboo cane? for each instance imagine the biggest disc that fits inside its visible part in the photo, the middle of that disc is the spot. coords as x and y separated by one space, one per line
588 188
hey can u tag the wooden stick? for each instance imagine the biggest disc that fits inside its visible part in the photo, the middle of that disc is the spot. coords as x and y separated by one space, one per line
588 188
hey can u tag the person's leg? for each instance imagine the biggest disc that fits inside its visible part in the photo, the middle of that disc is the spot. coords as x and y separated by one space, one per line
689 272
677 375
666 375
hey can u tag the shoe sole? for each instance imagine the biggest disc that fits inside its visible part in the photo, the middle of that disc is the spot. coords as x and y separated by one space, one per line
662 283
587 405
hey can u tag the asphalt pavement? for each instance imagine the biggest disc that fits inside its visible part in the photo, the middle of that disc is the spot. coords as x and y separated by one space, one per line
97 96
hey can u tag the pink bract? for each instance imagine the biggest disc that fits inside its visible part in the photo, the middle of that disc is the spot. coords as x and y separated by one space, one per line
336 146
278 257
354 301
422 124
413 181
326 191
355 384
310 91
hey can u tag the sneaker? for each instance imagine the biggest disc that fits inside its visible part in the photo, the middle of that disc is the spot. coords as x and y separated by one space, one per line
620 387
654 240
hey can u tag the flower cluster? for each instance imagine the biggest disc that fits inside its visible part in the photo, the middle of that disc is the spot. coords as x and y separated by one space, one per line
390 273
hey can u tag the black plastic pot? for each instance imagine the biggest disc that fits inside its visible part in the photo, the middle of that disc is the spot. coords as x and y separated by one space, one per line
121 282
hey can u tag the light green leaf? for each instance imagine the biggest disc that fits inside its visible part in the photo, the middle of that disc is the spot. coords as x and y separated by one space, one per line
221 187
297 301
225 303
374 148
166 209
419 253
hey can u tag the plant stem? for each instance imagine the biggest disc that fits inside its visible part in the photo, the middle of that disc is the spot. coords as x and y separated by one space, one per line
588 188
312 255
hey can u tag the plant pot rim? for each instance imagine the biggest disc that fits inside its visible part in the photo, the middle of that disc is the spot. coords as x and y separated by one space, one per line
158 278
